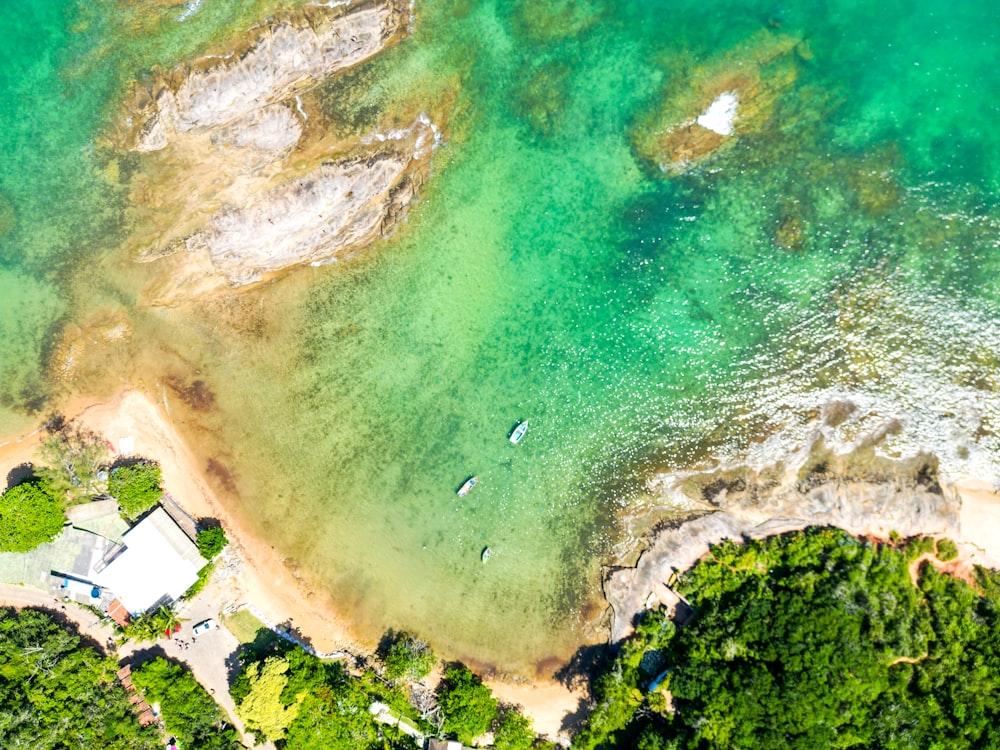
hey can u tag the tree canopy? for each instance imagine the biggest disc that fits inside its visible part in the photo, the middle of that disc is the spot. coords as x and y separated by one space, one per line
811 640
211 541
136 487
468 706
408 658
29 516
57 693
188 711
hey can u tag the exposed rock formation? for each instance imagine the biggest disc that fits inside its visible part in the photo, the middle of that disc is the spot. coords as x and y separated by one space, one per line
285 58
241 179
323 215
708 105
910 504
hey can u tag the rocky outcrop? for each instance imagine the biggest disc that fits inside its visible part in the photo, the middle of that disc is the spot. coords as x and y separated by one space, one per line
324 215
908 504
707 106
241 177
284 58
321 215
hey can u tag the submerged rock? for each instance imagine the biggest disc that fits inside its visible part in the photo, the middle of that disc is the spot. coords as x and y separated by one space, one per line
241 179
708 105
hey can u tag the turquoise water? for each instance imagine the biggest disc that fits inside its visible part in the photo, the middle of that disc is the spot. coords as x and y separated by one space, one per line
547 273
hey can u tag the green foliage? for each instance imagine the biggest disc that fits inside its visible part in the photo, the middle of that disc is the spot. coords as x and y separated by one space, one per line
211 541
813 640
29 516
468 706
946 550
203 575
153 625
512 730
262 708
56 693
136 487
71 458
188 711
334 716
310 704
408 658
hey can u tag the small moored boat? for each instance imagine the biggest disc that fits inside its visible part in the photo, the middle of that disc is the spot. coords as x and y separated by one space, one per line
487 554
468 485
518 433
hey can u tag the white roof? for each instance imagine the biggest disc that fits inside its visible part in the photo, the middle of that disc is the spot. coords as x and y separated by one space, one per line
159 563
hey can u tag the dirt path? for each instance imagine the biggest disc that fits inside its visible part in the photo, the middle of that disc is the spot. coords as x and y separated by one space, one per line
958 568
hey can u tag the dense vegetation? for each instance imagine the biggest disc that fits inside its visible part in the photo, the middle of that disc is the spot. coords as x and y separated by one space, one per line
29 515
136 487
189 712
56 692
301 703
287 695
811 640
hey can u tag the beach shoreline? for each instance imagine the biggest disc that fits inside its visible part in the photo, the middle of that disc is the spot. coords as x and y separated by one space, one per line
258 575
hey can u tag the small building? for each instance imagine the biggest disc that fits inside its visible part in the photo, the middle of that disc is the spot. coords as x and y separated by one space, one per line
156 564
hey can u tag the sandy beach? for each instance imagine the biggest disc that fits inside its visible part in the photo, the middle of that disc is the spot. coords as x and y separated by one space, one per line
261 578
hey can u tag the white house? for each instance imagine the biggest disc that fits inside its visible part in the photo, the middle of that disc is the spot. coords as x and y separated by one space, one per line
156 565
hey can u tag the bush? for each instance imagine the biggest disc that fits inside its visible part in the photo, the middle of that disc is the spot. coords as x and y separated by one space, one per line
211 541
409 658
203 575
946 550
136 487
468 706
29 516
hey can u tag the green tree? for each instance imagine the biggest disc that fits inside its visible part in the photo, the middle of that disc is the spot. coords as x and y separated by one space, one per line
29 516
153 625
211 541
189 712
409 658
811 640
512 730
136 487
468 706
262 708
56 693
71 458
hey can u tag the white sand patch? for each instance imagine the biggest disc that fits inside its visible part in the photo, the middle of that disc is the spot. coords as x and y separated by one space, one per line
719 117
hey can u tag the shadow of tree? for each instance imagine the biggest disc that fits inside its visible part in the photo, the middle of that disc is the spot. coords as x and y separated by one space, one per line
20 473
573 721
140 656
585 665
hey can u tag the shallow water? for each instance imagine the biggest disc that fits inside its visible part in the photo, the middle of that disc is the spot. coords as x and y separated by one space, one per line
637 321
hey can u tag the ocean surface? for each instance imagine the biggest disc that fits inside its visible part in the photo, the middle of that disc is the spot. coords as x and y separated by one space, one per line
845 249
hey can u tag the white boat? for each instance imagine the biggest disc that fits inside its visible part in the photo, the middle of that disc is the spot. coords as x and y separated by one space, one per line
468 485
518 433
487 554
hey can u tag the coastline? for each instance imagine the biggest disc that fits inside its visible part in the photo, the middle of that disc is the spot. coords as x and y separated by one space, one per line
261 578
255 573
